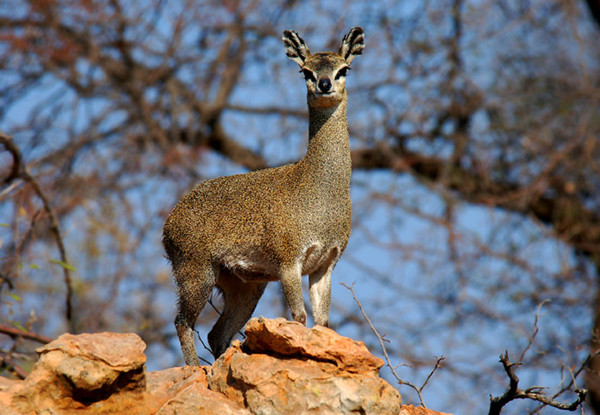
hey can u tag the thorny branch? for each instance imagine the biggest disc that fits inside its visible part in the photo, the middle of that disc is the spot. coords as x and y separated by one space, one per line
572 384
514 392
576 373
19 170
382 341
535 392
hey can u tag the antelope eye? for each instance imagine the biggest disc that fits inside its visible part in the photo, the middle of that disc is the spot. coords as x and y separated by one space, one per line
308 75
342 72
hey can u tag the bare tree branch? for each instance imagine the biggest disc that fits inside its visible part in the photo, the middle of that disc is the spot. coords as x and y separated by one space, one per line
534 393
7 361
476 187
16 333
24 174
535 331
382 341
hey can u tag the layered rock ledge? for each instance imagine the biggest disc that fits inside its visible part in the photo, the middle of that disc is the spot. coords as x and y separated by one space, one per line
281 368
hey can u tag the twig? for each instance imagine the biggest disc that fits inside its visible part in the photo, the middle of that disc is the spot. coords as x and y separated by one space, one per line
535 331
436 367
205 347
19 170
13 332
214 307
8 362
382 339
534 393
572 385
574 375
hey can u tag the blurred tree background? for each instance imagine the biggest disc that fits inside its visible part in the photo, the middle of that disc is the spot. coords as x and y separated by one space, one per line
475 131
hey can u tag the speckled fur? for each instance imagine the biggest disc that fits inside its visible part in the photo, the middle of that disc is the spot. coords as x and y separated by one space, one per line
239 232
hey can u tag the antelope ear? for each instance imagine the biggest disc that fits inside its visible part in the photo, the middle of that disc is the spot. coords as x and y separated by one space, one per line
295 48
352 44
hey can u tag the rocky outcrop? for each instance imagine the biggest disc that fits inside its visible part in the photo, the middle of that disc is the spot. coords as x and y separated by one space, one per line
418 410
281 368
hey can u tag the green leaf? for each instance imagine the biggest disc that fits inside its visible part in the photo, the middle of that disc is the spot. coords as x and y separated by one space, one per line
15 297
33 266
63 264
4 225
19 326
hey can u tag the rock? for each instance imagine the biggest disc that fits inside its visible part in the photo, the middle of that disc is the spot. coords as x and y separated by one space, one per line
164 385
289 338
195 399
6 396
83 372
284 367
281 368
419 410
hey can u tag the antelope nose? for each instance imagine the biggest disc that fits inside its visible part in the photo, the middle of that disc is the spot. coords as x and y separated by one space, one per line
324 84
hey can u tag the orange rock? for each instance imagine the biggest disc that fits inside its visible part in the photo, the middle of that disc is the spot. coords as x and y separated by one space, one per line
419 410
101 346
289 338
103 371
285 368
163 385
199 400
281 368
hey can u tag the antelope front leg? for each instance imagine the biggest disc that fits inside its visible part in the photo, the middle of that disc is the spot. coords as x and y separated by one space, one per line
320 294
291 282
